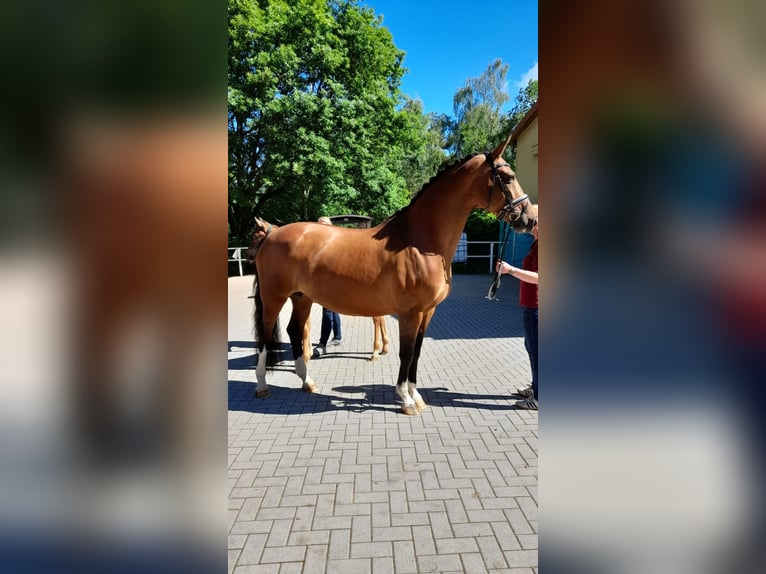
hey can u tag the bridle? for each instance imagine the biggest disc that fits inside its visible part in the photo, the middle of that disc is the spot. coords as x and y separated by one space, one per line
511 207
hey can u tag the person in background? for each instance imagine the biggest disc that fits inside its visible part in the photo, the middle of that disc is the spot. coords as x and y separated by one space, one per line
330 320
528 302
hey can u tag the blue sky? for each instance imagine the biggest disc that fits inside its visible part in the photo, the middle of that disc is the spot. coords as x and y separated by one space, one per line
447 41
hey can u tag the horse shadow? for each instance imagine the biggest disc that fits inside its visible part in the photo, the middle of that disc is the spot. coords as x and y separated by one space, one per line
292 401
378 397
433 397
281 353
240 345
356 355
443 397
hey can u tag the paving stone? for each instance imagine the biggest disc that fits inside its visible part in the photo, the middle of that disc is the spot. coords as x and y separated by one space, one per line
383 565
443 563
517 558
341 481
423 539
370 549
285 554
358 566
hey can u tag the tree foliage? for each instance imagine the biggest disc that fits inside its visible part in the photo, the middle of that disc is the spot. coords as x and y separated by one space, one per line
315 125
318 124
429 154
478 123
525 99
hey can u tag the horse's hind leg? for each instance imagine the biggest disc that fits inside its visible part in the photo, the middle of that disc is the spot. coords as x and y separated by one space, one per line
269 323
380 337
307 340
376 330
296 329
383 335
266 317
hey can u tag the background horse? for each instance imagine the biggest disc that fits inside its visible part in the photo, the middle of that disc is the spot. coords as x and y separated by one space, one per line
380 334
380 341
402 266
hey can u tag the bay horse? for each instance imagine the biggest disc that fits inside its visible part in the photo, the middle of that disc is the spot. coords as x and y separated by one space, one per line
401 266
380 333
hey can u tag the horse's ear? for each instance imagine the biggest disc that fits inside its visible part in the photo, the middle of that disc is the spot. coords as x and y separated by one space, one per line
498 151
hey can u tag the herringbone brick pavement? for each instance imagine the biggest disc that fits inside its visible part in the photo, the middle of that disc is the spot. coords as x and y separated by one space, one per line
341 481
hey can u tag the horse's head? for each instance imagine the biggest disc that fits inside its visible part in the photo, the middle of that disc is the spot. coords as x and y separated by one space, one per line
507 199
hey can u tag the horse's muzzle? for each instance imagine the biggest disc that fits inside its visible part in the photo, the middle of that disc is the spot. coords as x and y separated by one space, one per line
523 224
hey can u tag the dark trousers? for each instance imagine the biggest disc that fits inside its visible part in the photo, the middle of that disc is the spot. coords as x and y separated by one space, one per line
330 322
530 342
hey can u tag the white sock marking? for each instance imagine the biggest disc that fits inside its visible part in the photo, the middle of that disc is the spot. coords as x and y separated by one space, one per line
414 393
260 371
404 395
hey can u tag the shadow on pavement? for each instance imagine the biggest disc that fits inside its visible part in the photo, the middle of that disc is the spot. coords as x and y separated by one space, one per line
379 397
293 401
441 397
281 354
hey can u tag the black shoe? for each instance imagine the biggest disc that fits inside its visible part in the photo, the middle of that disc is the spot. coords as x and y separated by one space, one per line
526 392
319 350
529 404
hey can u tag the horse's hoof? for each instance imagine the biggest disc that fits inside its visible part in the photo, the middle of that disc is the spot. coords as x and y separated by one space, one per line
309 388
262 394
410 411
373 357
421 406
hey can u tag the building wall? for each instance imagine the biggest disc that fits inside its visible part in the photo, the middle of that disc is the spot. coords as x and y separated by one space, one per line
526 160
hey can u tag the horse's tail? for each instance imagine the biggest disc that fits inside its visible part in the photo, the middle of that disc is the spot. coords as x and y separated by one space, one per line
262 230
260 334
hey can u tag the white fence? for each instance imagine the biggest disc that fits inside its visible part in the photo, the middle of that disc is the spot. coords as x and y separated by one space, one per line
236 255
466 250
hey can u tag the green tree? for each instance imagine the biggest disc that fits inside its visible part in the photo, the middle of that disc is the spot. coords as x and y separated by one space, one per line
428 155
478 123
525 99
316 124
478 126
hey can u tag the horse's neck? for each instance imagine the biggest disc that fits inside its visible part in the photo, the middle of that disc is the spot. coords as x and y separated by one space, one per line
436 220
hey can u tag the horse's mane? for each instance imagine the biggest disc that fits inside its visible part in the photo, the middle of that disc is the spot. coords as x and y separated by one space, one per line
444 167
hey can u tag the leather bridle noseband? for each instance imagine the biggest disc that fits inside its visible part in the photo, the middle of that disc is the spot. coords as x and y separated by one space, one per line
511 207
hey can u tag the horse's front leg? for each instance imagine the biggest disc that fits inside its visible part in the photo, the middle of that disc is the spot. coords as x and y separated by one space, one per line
412 376
408 333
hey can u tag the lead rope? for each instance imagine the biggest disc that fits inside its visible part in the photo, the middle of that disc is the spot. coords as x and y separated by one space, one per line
496 277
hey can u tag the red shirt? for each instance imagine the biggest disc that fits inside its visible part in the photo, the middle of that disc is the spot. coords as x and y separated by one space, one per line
528 291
